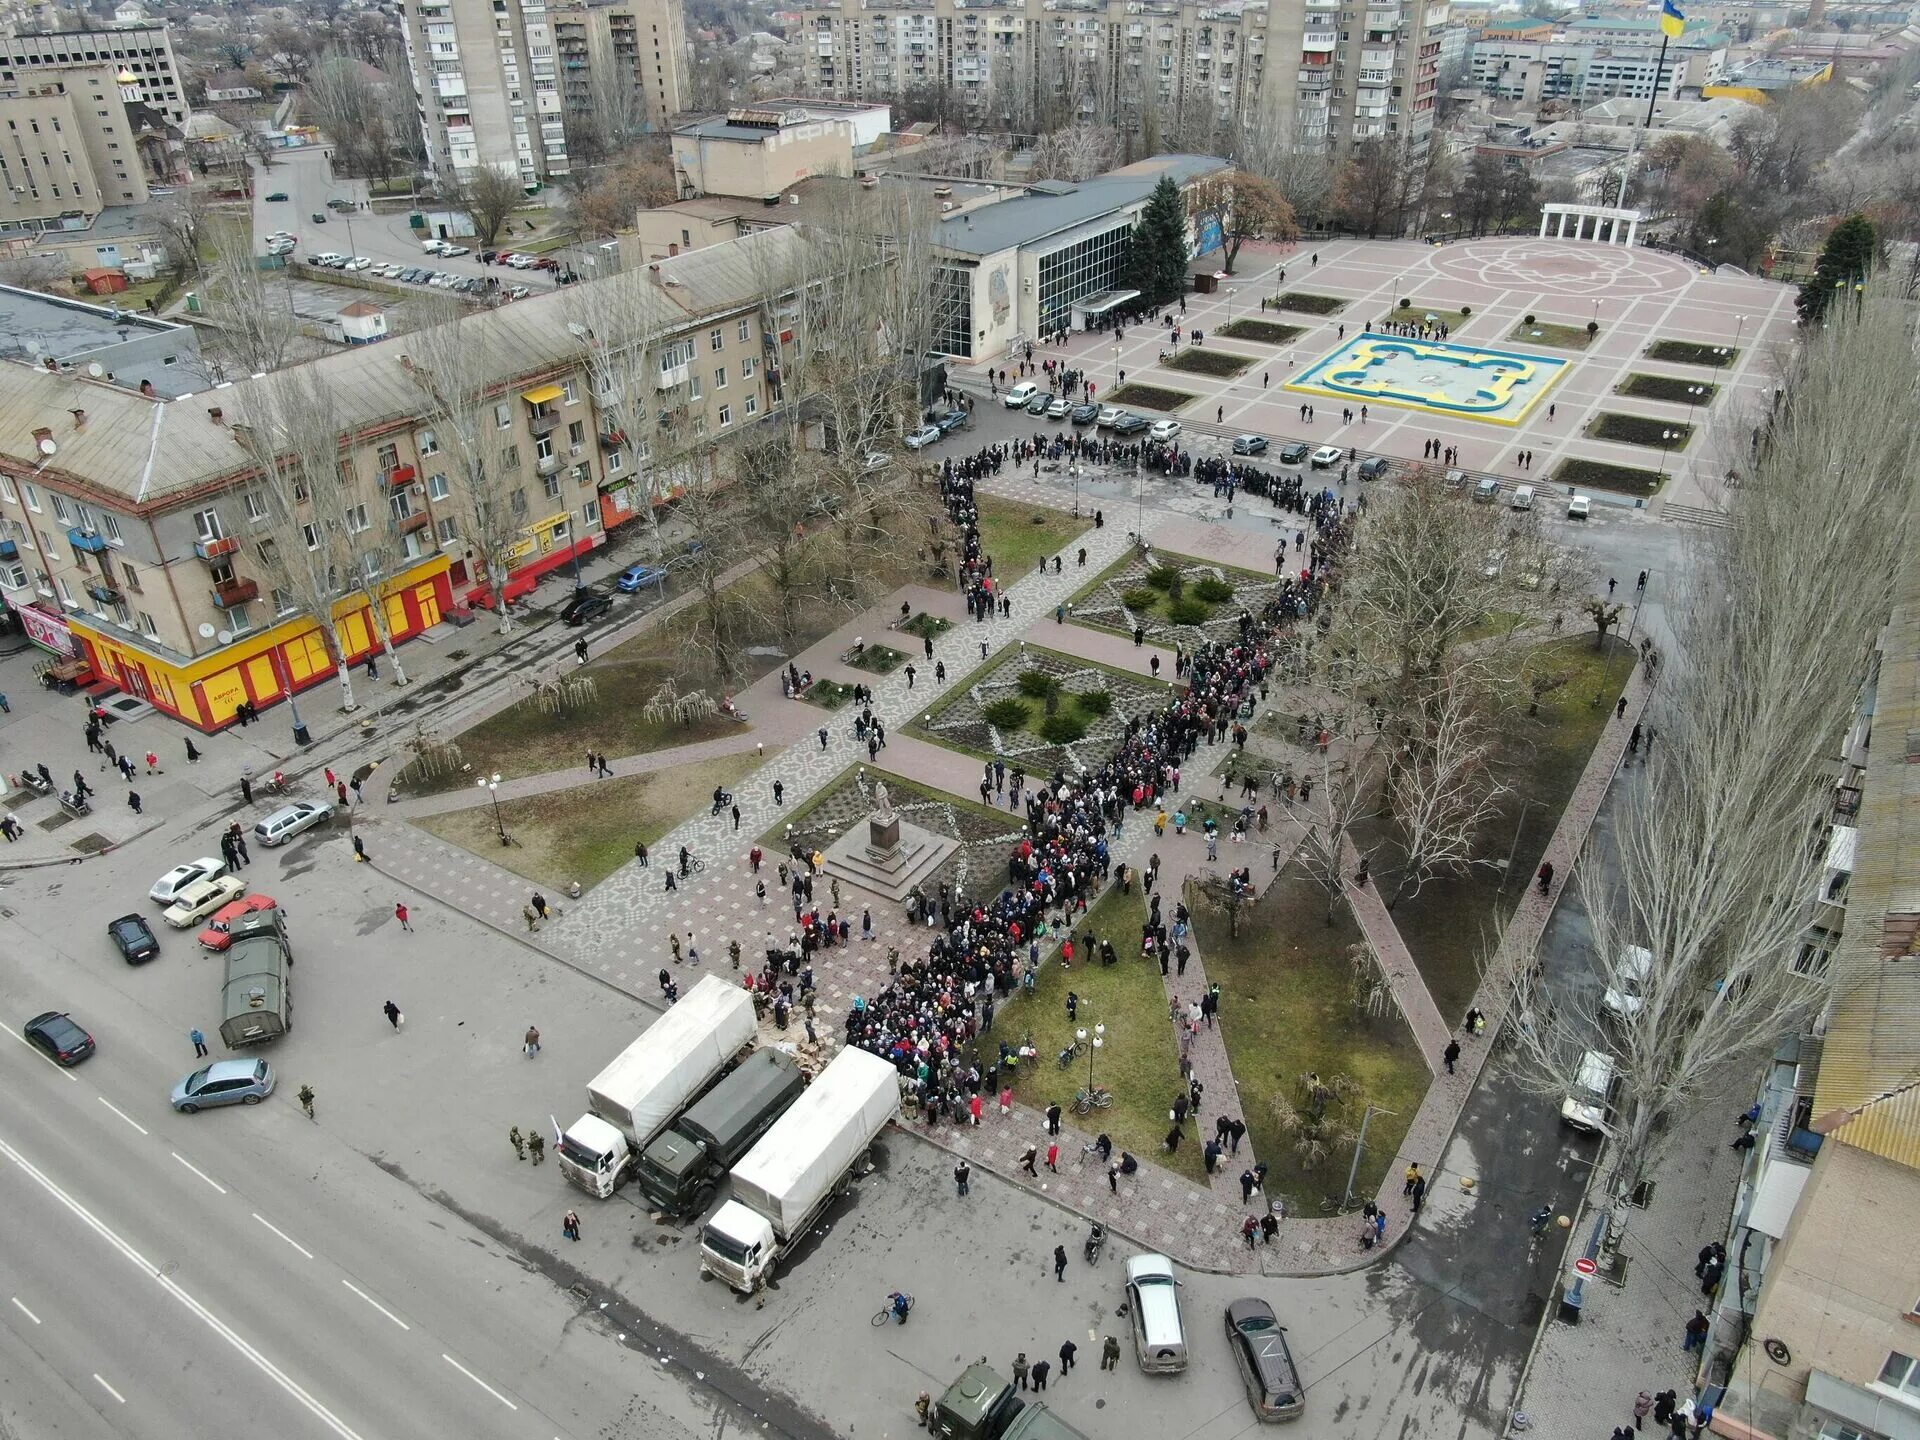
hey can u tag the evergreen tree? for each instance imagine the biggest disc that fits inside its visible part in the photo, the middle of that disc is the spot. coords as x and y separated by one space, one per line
1157 259
1845 261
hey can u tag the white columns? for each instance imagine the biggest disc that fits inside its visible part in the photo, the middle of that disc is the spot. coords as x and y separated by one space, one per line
1544 217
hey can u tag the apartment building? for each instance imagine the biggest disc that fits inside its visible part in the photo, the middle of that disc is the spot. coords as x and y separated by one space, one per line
67 149
143 51
1330 71
494 79
132 529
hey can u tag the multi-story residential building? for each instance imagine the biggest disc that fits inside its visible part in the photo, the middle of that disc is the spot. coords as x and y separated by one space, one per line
495 79
67 148
1328 72
132 527
143 51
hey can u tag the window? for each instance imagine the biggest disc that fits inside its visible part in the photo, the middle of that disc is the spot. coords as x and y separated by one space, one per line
6 490
14 577
437 487
503 415
282 601
206 524
748 366
61 512
1901 1373
132 576
449 530
753 404
510 458
389 458
746 329
429 443
726 416
400 506
693 389
590 512
111 526
720 377
31 495
551 484
519 503
48 548
238 619
311 534
716 339
147 627
256 506
568 395
356 519
616 462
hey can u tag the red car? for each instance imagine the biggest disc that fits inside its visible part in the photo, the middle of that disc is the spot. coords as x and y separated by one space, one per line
218 934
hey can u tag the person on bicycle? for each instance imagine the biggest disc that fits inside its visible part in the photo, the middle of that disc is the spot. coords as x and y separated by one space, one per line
686 860
901 1305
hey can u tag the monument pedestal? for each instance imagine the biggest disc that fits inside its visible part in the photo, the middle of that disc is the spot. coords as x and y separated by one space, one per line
890 858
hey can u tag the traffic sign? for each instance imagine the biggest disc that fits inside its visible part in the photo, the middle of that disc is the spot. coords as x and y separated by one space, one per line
1586 1266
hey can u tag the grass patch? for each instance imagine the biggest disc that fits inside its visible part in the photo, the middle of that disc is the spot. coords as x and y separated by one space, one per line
1197 597
876 659
1310 303
828 694
1667 387
1448 923
1266 332
1545 332
1140 1063
1640 430
1286 1010
1198 361
927 627
1691 352
1152 397
1452 319
1017 537
1600 475
1022 678
588 832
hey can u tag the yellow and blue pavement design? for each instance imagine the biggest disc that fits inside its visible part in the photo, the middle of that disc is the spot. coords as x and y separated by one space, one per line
1438 376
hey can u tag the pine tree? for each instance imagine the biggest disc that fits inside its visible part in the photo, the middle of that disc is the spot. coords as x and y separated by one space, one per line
1845 261
1157 260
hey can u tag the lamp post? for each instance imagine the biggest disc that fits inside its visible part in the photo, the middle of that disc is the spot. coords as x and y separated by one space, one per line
1093 1045
1739 327
1695 393
491 784
1073 469
1667 437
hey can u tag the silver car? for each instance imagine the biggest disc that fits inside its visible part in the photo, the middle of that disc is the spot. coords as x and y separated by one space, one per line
225 1082
289 820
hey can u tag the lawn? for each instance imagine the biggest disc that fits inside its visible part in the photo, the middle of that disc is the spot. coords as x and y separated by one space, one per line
1140 1061
1691 352
1452 319
1178 591
828 694
1640 430
1287 1010
1667 387
1599 475
1018 537
1266 332
1152 397
588 832
1450 922
1200 361
930 627
875 659
1545 332
1311 303
1001 710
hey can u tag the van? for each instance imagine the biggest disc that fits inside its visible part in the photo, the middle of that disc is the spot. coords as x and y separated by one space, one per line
1487 491
1625 999
1521 499
1586 1107
1153 1300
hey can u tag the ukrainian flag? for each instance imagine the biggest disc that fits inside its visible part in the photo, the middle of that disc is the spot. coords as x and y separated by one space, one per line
1672 19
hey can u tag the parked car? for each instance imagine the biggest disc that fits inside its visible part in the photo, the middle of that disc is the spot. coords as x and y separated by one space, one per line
875 460
923 437
520 262
201 899
132 937
1374 467
1579 507
518 292
586 605
319 217
277 197
1325 456
1486 491
1295 452
1108 414
543 263
1153 1301
1130 424
1521 499
638 577
168 887
1018 395
1084 414
64 1042
1585 1109
1456 480
1039 403
225 1082
358 262
487 257
219 932
339 207
1059 408
289 820
1259 1344
434 247
951 421
1164 430
1249 444
453 250
1625 1001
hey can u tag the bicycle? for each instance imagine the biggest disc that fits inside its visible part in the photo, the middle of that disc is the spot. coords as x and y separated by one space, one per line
886 1312
1098 1098
694 866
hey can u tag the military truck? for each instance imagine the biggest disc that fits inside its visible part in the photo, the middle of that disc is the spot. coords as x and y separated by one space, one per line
980 1405
681 1169
257 999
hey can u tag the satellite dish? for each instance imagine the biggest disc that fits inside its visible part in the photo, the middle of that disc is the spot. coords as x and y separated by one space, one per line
47 447
206 631
96 369
226 637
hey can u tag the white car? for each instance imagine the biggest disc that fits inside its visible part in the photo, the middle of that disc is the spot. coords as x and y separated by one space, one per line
1579 507
1108 414
201 899
1020 394
1627 1000
521 262
359 262
925 435
1521 498
434 247
289 820
1059 408
453 250
1325 456
1164 430
168 887
875 460
518 292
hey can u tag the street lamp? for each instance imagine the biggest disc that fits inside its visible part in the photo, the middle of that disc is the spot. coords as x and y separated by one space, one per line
491 784
1092 1047
1740 325
1073 469
1695 394
1667 437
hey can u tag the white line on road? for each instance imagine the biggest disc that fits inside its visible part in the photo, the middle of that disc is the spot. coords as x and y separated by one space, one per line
110 1390
478 1381
376 1305
283 1235
22 1040
198 1171
121 1113
24 1310
213 1322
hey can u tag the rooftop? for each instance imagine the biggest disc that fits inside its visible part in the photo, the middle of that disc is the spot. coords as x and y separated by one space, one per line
37 328
1051 207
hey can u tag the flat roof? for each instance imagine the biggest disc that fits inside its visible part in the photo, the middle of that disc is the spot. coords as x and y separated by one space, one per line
1047 210
36 325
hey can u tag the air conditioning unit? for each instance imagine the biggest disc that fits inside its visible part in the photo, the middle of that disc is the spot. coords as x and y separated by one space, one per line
417 490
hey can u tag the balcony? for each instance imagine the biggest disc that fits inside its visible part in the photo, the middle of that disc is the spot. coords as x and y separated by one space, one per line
214 549
89 540
605 393
543 422
547 464
408 524
400 475
103 592
612 439
671 376
9 550
229 593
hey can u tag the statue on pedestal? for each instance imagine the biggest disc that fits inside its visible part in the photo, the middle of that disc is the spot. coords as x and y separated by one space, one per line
882 801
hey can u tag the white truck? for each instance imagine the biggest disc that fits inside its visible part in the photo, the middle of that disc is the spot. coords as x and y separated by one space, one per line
787 1181
652 1081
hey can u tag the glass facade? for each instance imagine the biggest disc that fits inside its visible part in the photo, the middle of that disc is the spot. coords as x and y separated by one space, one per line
953 293
1083 268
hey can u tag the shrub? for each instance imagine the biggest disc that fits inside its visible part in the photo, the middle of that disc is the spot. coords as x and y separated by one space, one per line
1161 577
1178 588
1063 728
1139 597
1466 309
1213 590
1037 684
1095 702
1006 714
1189 612
1406 303
1593 328
1529 320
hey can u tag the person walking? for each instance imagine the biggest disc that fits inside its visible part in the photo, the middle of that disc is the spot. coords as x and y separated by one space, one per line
393 1015
306 1100
1110 1353
1026 1161
1067 1351
1059 1266
536 1145
519 1145
1113 1177
1451 1054
1419 1193
1546 876
1020 1371
1053 1156
531 1041
570 1225
1697 1329
1053 1118
962 1179
199 1042
1247 1186
400 913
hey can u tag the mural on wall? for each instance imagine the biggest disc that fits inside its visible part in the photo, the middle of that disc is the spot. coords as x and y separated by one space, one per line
999 294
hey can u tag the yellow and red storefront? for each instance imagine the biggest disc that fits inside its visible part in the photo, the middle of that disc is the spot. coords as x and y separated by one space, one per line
263 668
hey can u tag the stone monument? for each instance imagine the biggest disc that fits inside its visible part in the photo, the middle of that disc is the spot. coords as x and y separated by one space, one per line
893 856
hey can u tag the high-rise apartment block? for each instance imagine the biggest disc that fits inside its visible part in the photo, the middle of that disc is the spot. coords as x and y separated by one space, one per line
142 51
1325 73
496 79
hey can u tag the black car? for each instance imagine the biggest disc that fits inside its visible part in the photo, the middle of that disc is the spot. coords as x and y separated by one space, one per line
1374 467
1249 444
1259 1344
1295 453
951 421
487 256
65 1042
1084 414
134 940
586 605
1131 424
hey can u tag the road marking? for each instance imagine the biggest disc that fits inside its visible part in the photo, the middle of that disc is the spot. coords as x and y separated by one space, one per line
110 1390
41 1054
121 1113
376 1305
24 1310
198 1171
213 1322
283 1235
478 1381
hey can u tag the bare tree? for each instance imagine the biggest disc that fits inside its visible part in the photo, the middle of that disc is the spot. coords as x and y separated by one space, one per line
489 197
255 320
1443 785
185 223
48 273
1247 206
349 108
1078 152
